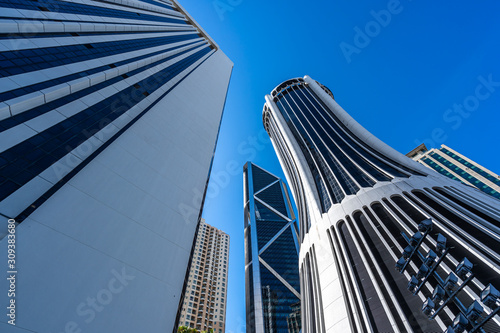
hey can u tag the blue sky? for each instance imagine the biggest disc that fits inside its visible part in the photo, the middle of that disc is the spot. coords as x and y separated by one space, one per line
418 70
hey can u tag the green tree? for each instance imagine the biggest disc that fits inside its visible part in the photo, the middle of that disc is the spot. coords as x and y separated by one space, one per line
185 329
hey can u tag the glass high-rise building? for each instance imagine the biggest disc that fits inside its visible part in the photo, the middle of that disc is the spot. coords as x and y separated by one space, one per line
271 254
456 166
387 245
109 117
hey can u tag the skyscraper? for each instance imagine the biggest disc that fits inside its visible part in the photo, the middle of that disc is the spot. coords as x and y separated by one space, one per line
386 244
456 166
109 119
205 300
271 253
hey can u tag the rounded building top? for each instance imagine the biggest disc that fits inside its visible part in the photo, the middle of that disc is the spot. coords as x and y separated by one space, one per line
279 89
296 82
292 82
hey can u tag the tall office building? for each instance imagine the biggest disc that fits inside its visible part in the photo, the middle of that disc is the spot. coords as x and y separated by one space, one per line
205 300
387 245
109 119
271 254
456 166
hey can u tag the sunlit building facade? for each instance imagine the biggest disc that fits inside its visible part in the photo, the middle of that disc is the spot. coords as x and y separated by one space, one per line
205 300
109 117
386 245
456 166
271 254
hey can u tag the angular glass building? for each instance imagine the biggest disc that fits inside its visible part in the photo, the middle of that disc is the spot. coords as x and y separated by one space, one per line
456 166
387 245
109 117
271 254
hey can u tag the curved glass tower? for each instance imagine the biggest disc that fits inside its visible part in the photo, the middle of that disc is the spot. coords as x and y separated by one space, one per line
387 245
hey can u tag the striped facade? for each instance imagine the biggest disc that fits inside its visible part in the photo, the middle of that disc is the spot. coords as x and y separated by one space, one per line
456 166
109 117
386 244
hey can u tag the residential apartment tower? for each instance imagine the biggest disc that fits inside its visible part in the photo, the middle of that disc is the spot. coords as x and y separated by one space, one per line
205 300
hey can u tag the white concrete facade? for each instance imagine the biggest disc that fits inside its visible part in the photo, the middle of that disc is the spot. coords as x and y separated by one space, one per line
130 210
109 250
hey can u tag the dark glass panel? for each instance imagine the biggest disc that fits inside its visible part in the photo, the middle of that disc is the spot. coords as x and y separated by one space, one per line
68 54
266 230
273 196
77 8
282 256
279 301
261 178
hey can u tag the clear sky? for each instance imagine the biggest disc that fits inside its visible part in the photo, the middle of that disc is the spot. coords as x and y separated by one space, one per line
403 69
